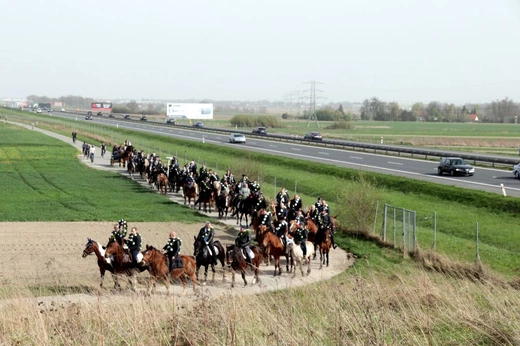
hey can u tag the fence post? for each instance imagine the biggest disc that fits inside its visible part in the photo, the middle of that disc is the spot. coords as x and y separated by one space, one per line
384 222
274 191
477 254
375 219
434 231
414 231
404 234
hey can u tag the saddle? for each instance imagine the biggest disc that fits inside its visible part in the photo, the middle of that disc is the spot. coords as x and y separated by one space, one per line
177 263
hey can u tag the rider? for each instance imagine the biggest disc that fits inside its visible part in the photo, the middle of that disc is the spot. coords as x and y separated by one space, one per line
172 249
243 240
206 235
282 196
301 238
296 203
119 232
254 187
205 188
280 231
300 219
103 149
134 244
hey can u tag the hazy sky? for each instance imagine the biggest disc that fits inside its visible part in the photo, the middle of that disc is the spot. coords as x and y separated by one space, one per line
399 50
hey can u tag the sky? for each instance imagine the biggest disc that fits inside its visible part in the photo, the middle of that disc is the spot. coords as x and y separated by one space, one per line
401 50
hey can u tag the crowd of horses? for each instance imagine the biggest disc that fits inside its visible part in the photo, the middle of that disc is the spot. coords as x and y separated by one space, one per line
114 259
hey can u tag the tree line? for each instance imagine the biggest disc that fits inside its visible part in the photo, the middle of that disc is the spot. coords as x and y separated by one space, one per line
499 111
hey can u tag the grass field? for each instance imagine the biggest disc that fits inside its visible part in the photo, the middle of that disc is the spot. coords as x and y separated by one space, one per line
384 299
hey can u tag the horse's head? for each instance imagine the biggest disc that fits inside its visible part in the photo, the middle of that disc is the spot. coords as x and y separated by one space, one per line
150 254
89 248
113 248
198 246
293 226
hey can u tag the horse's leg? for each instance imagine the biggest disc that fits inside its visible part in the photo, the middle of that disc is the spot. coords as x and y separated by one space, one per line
244 277
102 272
327 258
286 262
232 278
184 284
206 274
214 271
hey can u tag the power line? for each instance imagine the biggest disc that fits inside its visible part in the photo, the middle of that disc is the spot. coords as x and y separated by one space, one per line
312 102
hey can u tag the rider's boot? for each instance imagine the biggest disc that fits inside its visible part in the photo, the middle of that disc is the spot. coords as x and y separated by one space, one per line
214 259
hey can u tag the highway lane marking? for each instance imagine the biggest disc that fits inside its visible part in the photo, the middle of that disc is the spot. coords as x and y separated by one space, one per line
323 153
298 149
394 163
272 145
356 157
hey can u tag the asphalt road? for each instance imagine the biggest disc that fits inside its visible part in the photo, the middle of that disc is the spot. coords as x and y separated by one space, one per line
485 179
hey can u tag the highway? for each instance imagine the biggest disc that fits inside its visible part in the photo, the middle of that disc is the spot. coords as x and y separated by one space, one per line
485 179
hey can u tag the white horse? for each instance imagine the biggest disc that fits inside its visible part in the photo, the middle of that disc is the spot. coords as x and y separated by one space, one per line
297 255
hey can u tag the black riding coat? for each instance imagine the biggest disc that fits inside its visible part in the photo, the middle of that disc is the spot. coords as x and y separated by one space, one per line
243 239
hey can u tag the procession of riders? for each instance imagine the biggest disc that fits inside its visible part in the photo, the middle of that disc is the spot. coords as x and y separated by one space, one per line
245 195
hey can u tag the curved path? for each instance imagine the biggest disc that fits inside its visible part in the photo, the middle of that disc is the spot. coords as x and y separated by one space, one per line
339 259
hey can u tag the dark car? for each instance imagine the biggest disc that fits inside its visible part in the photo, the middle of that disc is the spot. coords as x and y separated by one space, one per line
99 114
143 118
170 121
127 116
259 131
111 115
89 113
88 117
455 166
314 136
199 125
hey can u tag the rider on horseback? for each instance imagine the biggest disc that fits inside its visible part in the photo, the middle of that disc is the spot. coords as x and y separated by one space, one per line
324 223
281 230
243 240
301 238
206 235
119 232
134 244
172 249
205 189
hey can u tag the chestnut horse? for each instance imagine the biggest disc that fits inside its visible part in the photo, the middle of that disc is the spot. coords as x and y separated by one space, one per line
274 246
297 256
162 183
158 268
122 262
203 258
131 165
325 246
190 193
236 260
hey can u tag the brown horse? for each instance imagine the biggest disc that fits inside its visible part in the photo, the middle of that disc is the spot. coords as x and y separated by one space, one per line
131 165
235 259
124 153
190 193
206 198
325 246
162 183
274 247
122 262
104 265
158 268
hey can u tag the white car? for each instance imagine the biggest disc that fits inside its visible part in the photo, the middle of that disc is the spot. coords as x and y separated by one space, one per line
516 171
237 138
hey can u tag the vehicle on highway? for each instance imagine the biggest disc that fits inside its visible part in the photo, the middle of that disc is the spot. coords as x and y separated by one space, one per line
99 114
63 109
314 136
38 110
89 113
111 115
516 171
455 166
127 116
143 118
198 125
237 138
259 131
88 117
170 121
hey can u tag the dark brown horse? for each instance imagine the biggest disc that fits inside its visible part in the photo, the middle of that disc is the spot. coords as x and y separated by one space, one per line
206 198
124 153
131 165
162 183
274 247
190 193
204 259
122 262
94 247
237 262
223 202
158 268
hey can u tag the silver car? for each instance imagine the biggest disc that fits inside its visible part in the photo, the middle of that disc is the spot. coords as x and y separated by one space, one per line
237 138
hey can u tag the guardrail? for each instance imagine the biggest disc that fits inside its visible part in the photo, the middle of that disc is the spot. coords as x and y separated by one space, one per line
427 154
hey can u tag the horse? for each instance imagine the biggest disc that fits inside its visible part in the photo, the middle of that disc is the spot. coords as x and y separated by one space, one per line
206 198
325 246
143 166
203 258
190 193
104 265
122 262
124 153
274 247
297 256
236 260
131 167
223 202
244 208
158 268
162 183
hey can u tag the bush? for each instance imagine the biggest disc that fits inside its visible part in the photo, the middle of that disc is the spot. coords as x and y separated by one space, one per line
340 125
254 121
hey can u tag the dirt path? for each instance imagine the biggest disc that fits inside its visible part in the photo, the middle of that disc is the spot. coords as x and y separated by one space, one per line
49 253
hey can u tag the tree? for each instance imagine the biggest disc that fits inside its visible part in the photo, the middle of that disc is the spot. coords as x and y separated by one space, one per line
418 111
340 110
133 106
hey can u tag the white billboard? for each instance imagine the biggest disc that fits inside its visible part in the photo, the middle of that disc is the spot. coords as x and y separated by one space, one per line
189 110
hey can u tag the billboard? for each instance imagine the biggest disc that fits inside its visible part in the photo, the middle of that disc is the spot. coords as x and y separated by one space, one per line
101 106
189 110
